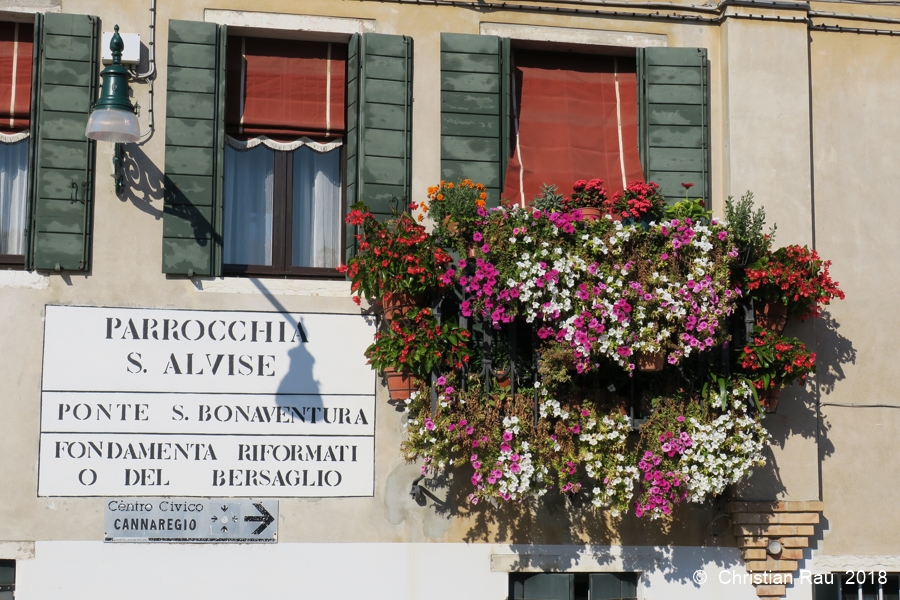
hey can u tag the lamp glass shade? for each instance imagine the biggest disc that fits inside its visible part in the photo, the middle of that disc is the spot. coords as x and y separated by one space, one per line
112 125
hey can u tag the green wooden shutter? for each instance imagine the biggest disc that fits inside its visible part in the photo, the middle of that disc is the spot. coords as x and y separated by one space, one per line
195 134
379 122
475 84
61 193
673 95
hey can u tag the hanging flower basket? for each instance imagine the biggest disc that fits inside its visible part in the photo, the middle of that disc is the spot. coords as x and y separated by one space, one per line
769 399
649 362
399 383
772 316
396 304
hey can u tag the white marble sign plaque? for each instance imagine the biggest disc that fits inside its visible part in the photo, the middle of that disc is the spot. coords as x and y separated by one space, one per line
153 402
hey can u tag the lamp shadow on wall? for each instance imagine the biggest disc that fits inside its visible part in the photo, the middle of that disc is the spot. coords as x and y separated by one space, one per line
143 181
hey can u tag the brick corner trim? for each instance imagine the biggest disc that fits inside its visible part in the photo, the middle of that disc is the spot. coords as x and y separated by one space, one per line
756 524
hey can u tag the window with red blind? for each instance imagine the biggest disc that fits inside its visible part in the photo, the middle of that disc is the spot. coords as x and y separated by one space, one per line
285 111
575 117
16 47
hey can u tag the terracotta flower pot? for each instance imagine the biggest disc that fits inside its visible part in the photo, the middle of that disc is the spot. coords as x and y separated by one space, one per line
399 383
397 304
649 362
771 316
591 213
769 399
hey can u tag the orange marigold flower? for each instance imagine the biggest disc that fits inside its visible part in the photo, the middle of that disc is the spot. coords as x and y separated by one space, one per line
440 196
483 196
479 187
421 217
480 203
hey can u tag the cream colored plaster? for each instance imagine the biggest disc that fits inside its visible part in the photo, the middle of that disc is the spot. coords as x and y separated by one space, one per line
568 35
16 550
297 24
23 279
273 287
767 128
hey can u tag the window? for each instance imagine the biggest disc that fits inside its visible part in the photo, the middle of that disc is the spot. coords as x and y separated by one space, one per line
16 44
515 118
7 579
573 586
284 123
862 585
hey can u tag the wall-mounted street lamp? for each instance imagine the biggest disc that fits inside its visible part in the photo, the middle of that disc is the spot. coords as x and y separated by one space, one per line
113 117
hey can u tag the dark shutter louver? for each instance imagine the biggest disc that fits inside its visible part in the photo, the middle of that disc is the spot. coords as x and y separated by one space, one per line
61 164
673 96
475 85
195 105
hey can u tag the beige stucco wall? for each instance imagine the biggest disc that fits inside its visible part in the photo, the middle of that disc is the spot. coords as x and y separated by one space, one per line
761 77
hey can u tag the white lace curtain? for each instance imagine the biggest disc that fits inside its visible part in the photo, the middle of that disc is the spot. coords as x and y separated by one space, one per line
315 208
13 192
248 202
316 211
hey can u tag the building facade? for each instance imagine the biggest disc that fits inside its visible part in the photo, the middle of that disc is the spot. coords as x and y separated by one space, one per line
125 267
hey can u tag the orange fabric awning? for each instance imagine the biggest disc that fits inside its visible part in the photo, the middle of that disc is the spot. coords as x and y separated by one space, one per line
16 47
285 89
577 119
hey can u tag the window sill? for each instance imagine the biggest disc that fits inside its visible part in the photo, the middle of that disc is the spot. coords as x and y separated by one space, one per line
273 287
17 277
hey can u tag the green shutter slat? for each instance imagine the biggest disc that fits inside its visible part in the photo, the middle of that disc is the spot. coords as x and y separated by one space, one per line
190 106
64 126
67 72
61 161
673 95
385 143
63 97
194 149
474 109
463 148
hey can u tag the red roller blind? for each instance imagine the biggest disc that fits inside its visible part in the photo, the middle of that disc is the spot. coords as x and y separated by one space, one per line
16 46
572 122
285 89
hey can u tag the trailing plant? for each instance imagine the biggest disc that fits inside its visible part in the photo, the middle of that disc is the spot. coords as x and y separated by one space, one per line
638 201
454 208
393 256
795 276
587 194
774 361
419 344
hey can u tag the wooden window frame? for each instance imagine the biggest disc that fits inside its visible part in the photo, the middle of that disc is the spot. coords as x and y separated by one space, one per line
282 227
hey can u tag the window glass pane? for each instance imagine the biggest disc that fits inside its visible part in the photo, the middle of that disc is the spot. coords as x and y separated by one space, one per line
316 227
870 589
13 191
891 589
7 572
542 586
826 591
248 206
849 591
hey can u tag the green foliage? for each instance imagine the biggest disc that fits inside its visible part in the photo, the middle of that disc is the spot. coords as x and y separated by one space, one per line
548 200
746 226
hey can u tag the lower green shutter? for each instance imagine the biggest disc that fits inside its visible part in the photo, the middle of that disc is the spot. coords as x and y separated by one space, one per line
61 190
475 97
379 123
195 133
673 96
